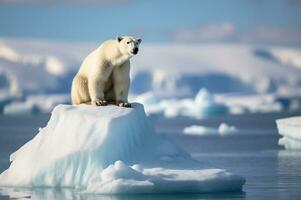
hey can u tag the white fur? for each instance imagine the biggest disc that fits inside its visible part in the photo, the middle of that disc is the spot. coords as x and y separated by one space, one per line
104 74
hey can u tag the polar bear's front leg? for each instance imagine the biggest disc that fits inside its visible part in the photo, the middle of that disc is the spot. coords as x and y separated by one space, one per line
121 78
96 91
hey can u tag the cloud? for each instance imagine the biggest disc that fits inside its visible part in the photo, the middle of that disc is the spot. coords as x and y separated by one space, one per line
227 32
41 2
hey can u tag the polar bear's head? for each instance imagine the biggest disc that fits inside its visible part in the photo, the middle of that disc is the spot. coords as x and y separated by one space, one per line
129 45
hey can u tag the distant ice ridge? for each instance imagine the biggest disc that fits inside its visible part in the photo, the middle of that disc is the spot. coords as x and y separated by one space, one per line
206 104
172 70
20 108
33 70
110 150
290 130
223 129
33 104
201 106
180 70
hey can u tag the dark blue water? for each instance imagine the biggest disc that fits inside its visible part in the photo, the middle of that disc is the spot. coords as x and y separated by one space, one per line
271 172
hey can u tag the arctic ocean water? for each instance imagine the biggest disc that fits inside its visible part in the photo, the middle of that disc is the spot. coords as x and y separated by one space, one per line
270 171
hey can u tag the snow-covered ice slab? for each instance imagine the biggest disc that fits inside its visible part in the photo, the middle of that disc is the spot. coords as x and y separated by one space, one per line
290 129
110 150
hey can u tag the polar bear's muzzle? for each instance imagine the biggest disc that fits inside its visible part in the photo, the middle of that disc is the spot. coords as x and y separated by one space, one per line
135 50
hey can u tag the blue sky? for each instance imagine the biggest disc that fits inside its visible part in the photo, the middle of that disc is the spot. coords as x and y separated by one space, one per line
154 21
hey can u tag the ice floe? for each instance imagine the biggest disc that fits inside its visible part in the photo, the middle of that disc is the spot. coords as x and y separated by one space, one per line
110 150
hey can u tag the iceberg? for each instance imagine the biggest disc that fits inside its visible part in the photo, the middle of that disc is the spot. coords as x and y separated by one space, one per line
205 105
110 150
289 129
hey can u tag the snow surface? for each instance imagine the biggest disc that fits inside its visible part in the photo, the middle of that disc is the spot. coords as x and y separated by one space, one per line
223 129
110 150
290 130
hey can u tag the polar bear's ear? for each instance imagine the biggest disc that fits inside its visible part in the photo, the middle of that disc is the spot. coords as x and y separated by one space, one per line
139 40
119 38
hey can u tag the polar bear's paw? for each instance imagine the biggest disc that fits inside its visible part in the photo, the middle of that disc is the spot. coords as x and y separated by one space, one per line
99 103
124 104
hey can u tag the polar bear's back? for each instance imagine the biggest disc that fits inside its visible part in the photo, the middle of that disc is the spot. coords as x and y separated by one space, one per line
89 62
105 51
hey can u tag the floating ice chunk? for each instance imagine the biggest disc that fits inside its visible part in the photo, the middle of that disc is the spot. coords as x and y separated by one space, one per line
110 150
290 143
205 105
203 97
120 178
199 130
290 128
20 108
223 129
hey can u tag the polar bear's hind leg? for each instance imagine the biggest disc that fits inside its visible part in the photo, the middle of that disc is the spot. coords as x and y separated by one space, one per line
79 91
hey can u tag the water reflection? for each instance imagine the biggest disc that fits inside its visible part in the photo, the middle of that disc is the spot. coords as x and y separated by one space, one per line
289 174
59 194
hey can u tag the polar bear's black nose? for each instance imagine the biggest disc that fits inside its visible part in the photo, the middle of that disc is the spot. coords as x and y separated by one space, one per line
135 50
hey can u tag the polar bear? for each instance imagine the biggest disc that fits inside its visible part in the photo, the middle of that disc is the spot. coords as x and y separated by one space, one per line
104 75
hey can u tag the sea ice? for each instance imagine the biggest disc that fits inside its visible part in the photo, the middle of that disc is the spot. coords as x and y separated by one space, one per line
110 150
46 102
223 129
256 103
20 108
205 105
33 104
290 130
202 105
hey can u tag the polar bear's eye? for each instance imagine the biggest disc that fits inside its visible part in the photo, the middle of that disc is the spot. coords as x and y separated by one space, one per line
128 42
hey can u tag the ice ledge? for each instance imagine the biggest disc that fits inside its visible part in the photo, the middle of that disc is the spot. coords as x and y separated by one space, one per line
290 130
110 150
